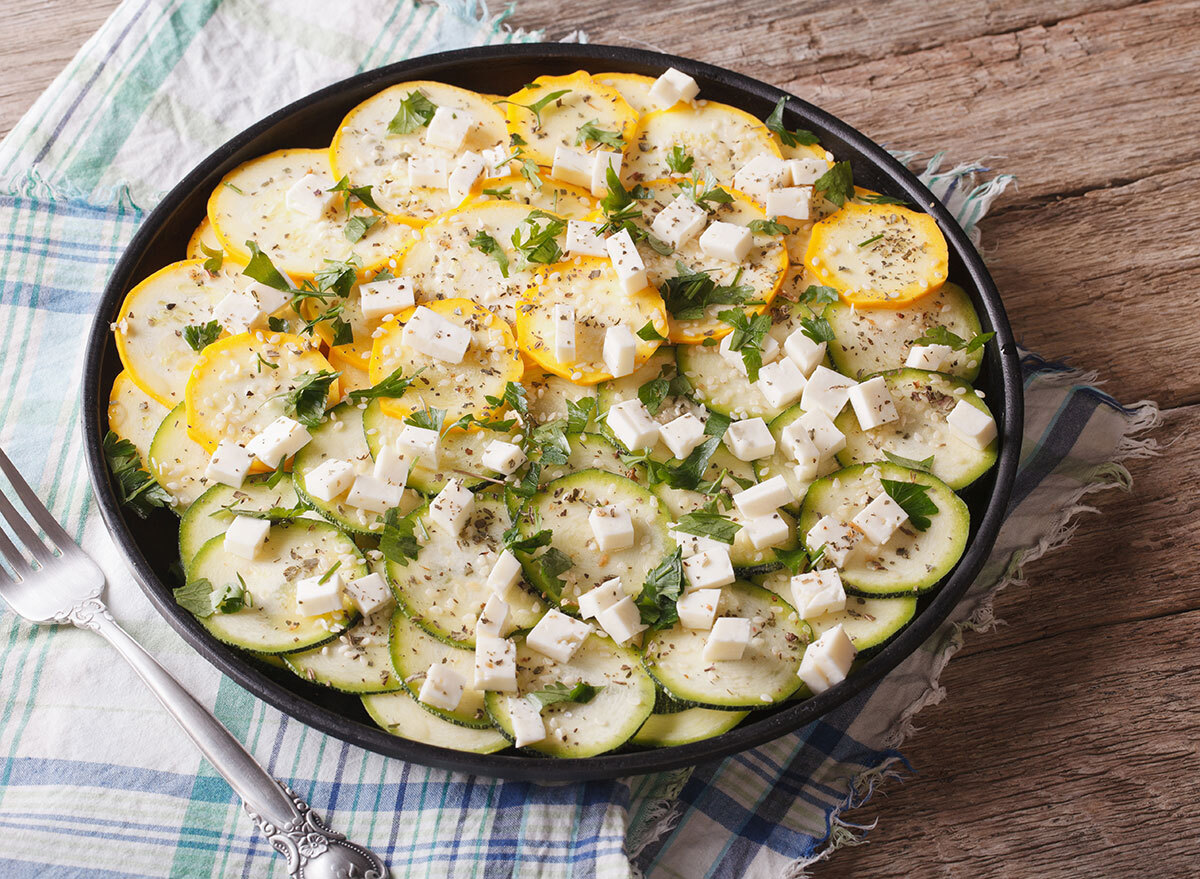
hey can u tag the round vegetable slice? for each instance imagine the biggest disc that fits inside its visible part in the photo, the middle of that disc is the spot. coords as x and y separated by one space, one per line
353 377
878 256
538 190
211 513
685 727
413 651
634 88
780 463
177 462
358 661
201 238
565 105
589 451
719 138
134 415
547 395
401 715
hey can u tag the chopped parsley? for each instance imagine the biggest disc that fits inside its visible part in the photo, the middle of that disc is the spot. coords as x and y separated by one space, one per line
870 240
817 293
818 329
648 333
398 539
261 269
660 592
799 560
581 694
415 112
709 524
689 293
913 498
666 384
489 246
579 414
136 489
836 184
592 132
198 336
939 335
356 227
362 193
306 400
774 122
679 161
216 258
392 387
900 461
747 337
768 227
539 105
537 243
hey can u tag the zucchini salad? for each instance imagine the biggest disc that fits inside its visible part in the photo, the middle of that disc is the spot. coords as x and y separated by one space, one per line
595 416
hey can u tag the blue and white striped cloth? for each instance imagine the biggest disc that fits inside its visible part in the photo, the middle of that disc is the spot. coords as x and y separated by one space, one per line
95 780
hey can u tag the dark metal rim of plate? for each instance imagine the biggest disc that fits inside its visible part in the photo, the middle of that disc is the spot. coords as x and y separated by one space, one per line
151 546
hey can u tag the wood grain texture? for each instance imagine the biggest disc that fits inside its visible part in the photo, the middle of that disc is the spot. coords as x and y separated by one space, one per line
1068 744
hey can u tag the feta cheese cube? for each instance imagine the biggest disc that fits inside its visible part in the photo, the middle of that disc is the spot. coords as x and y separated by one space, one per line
626 261
827 660
374 495
620 351
452 506
602 160
469 168
268 299
497 161
931 357
780 383
763 499
760 175
728 639
435 336
503 457
370 593
583 239
621 621
378 299
528 726
329 479
632 425
428 172
801 449
827 391
766 531
838 538
694 544
709 570
314 597
310 196
246 535
805 172
873 404
672 87
280 439
572 166
442 688
493 620
792 202
418 442
391 466
495 664
817 593
557 636
727 241
448 128
603 596
229 464
504 575
681 435
768 352
564 333
805 353
698 609
612 527
973 426
236 312
879 519
679 222
823 432
749 439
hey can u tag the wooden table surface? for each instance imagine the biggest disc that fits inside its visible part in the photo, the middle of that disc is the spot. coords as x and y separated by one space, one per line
1067 745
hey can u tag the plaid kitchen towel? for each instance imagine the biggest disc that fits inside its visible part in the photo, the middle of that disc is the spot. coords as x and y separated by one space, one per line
95 780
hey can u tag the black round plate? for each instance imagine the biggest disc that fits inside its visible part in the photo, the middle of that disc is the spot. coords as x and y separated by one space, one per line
151 546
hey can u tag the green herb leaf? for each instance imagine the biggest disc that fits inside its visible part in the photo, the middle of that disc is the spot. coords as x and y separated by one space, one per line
689 293
229 185
429 418
712 525
505 192
579 414
817 329
232 598
343 333
768 227
817 293
306 400
362 193
275 515
393 387
414 112
592 132
747 337
136 489
706 191
717 424
537 243
398 539
261 269
799 560
913 498
196 597
679 161
978 342
514 396
356 227
926 465
876 198
516 543
660 591
337 277
870 240
216 258
649 334
836 184
538 106
581 694
489 246
774 122
198 336
547 569
277 474
618 204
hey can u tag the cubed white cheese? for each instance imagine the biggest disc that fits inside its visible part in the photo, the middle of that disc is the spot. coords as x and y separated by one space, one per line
792 202
679 222
370 593
452 506
314 597
442 688
827 660
709 570
672 87
879 519
503 457
246 535
622 620
612 527
428 172
329 479
495 664
727 241
448 128
374 495
728 640
602 161
557 636
768 352
800 448
973 426
310 196
572 166
268 299
823 432
498 161
763 499
803 351
805 172
583 239
469 168
749 439
381 298
931 357
632 425
236 312
505 575
564 333
627 262
760 175
493 620
694 544
781 383
229 464
873 404
605 595
280 439
418 442
766 531
827 391
435 336
391 466
681 435
817 593
838 538
620 351
698 609
528 726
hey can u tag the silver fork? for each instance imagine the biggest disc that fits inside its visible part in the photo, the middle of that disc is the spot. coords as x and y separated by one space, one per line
58 584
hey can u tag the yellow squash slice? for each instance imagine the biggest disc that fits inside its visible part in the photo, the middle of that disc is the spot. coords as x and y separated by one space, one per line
718 137
205 236
250 203
239 384
634 88
551 195
459 389
591 287
558 122
878 256
133 414
353 376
